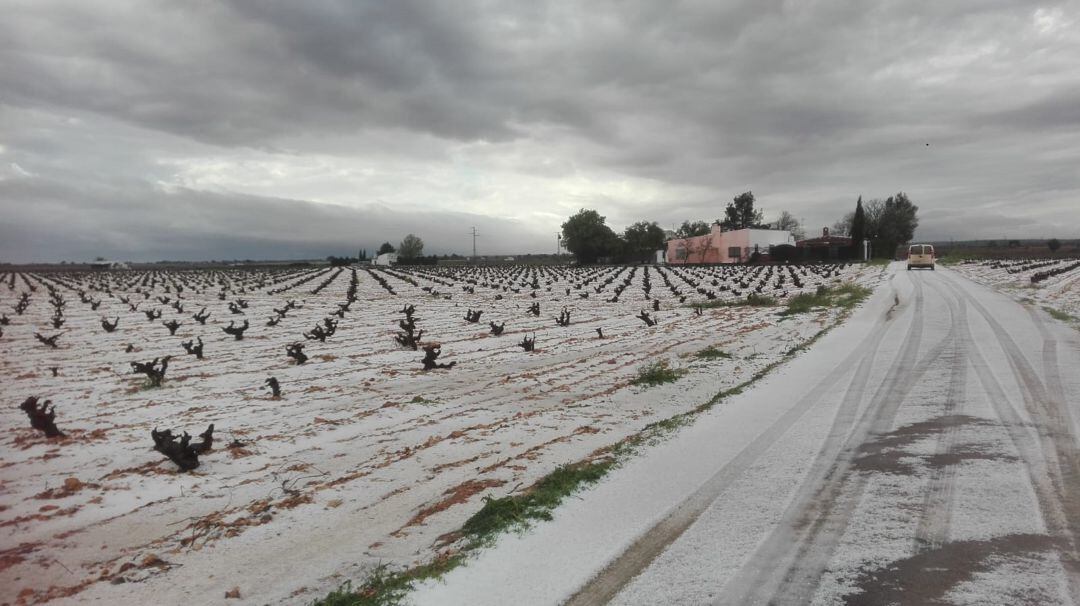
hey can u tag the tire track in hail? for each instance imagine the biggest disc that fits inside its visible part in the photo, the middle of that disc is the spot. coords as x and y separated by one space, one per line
789 564
1057 484
609 581
932 530
1052 370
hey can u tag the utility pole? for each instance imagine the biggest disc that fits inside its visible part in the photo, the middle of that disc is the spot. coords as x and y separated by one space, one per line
558 243
474 234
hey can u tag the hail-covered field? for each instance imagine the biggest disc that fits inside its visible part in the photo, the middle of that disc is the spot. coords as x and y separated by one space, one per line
366 457
1050 283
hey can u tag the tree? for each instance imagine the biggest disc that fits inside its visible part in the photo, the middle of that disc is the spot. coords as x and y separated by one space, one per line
740 213
843 226
1053 244
385 248
895 224
642 239
788 222
873 209
690 229
858 229
587 237
411 247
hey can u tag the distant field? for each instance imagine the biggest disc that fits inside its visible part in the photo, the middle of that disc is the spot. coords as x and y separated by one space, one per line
1005 253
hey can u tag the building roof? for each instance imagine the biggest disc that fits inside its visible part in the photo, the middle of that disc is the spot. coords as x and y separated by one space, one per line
825 241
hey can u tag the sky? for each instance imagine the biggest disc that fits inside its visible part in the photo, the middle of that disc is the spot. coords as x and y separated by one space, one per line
268 129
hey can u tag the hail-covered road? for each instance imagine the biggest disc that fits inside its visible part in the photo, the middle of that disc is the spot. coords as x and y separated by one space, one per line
924 452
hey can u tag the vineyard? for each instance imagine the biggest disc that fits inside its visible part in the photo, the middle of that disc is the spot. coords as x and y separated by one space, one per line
273 432
1052 283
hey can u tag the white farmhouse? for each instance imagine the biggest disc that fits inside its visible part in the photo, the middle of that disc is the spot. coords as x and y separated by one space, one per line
385 259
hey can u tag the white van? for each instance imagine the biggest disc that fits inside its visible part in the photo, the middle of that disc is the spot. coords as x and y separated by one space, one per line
920 255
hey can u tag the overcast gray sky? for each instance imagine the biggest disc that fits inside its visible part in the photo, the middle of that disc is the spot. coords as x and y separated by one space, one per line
194 130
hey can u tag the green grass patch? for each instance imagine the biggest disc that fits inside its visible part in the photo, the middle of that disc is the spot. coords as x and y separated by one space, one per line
1057 314
384 587
421 400
846 296
712 353
518 511
657 373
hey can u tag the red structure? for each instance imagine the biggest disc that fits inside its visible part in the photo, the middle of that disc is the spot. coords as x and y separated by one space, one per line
825 247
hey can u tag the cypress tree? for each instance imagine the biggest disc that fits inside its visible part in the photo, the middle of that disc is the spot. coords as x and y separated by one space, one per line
858 230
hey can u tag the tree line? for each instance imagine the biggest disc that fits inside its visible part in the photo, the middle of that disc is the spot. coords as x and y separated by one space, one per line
589 238
887 223
410 250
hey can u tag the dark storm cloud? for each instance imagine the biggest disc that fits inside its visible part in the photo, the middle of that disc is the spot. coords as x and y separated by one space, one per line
128 221
658 111
248 73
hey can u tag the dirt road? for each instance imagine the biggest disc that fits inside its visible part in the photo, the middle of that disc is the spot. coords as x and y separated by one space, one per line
926 454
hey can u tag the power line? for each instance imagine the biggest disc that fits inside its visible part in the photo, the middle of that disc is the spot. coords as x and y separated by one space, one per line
474 234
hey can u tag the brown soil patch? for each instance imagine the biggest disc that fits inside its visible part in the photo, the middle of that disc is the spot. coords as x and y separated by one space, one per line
151 468
68 488
349 477
454 496
11 557
217 525
42 517
533 452
239 452
445 466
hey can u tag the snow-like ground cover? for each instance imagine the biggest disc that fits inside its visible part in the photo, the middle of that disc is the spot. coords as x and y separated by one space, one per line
923 452
366 458
1060 292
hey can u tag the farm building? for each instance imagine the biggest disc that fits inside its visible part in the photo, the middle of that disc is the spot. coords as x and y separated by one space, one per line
385 259
825 247
109 265
720 246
